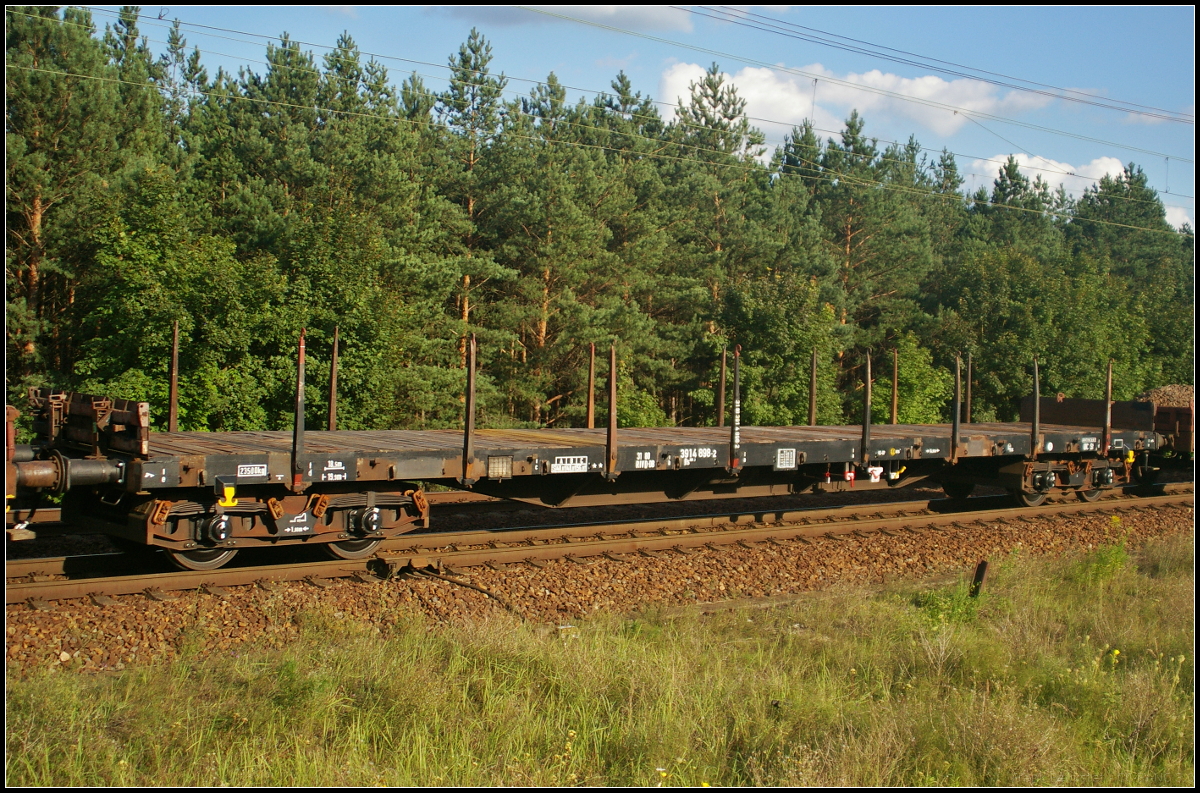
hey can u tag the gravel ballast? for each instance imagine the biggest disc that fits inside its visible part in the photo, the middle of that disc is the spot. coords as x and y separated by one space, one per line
84 636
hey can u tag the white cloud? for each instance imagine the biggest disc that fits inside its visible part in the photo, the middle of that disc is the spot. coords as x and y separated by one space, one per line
1074 178
630 17
641 18
964 93
784 97
1141 118
345 11
767 96
1177 216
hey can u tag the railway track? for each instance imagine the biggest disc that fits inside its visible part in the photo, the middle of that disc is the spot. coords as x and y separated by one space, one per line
38 582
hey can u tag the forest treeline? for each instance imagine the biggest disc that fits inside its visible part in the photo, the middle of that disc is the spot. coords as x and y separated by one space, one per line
143 191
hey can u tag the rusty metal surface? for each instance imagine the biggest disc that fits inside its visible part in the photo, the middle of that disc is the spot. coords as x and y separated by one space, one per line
751 534
89 423
38 515
941 506
1178 424
128 585
525 455
164 444
453 497
1127 415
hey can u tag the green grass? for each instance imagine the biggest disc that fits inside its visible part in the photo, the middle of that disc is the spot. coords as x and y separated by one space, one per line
1064 672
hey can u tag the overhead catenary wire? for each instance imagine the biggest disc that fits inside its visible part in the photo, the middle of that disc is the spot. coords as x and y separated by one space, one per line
981 71
1077 92
156 22
755 21
854 86
826 174
681 122
1015 145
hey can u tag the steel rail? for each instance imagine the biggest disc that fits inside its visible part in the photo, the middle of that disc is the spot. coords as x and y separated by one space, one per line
844 511
86 565
665 541
93 565
176 581
543 544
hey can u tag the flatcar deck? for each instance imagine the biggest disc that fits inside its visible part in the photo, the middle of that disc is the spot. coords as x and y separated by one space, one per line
202 496
194 458
167 444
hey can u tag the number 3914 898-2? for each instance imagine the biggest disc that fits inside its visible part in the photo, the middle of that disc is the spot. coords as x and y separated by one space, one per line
689 456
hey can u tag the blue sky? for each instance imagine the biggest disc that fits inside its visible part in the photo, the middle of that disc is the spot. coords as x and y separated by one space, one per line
1135 55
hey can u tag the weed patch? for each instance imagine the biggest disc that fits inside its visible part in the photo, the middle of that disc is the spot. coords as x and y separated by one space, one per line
1099 565
951 605
1039 681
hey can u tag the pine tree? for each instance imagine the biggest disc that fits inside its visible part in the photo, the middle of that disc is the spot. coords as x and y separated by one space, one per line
875 235
62 152
471 108
547 217
1015 214
1156 265
318 194
140 132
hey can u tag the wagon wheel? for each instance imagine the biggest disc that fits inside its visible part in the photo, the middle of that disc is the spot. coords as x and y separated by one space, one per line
201 558
353 549
1028 499
1087 495
958 489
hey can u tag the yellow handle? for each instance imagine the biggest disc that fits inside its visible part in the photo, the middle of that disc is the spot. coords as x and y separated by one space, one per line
228 499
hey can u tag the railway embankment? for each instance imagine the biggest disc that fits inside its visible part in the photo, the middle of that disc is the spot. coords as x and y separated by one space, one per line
1073 666
86 634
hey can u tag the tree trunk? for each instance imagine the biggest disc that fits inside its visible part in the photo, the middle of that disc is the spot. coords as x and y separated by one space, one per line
33 283
544 317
